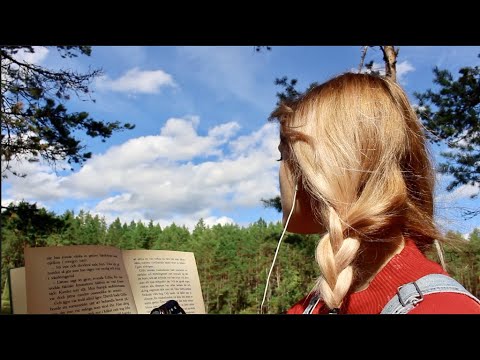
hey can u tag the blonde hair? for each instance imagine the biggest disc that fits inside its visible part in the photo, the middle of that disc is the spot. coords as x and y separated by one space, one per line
359 150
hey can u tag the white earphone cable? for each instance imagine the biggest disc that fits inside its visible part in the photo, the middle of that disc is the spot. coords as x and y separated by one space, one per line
278 248
440 254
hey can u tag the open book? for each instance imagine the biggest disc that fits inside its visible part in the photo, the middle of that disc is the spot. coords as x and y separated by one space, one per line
95 279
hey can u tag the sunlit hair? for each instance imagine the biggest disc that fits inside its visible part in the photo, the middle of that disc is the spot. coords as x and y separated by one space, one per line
357 146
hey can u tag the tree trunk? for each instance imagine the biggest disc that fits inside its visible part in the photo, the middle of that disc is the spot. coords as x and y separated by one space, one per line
362 58
390 57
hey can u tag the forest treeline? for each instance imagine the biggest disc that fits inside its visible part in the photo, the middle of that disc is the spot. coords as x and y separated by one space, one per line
233 261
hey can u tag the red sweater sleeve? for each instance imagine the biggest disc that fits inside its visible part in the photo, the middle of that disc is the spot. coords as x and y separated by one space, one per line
295 309
446 303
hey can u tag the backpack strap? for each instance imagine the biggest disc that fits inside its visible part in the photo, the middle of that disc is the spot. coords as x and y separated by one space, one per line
409 295
311 305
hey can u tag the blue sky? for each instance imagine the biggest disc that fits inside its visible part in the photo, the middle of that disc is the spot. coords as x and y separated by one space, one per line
202 146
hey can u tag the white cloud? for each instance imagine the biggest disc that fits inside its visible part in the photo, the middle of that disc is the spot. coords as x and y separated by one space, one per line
261 139
7 202
403 68
137 81
177 176
224 131
450 207
462 192
222 220
468 138
189 220
419 108
37 57
39 54
469 233
449 57
41 181
465 191
178 141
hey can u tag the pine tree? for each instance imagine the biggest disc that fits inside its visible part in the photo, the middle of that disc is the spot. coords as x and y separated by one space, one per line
452 115
34 120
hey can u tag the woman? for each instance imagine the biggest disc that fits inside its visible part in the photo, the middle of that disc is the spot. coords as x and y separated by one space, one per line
355 150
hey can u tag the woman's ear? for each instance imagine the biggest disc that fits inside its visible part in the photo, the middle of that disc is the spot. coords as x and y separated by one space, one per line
303 220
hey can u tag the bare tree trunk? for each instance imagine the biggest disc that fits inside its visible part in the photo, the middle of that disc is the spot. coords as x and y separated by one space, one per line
362 59
390 57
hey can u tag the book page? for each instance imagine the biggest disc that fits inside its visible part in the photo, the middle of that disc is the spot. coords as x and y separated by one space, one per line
86 279
157 276
18 296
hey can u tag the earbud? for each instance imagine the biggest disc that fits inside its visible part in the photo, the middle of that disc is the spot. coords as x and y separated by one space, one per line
278 246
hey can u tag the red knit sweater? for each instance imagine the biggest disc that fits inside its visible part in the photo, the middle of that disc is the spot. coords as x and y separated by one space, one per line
407 266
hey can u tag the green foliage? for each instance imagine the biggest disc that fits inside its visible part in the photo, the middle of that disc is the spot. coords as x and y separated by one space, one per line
34 120
452 114
115 234
233 262
260 48
290 93
464 261
462 258
275 203
25 225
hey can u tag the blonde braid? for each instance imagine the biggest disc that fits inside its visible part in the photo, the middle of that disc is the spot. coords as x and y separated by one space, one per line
359 149
334 256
